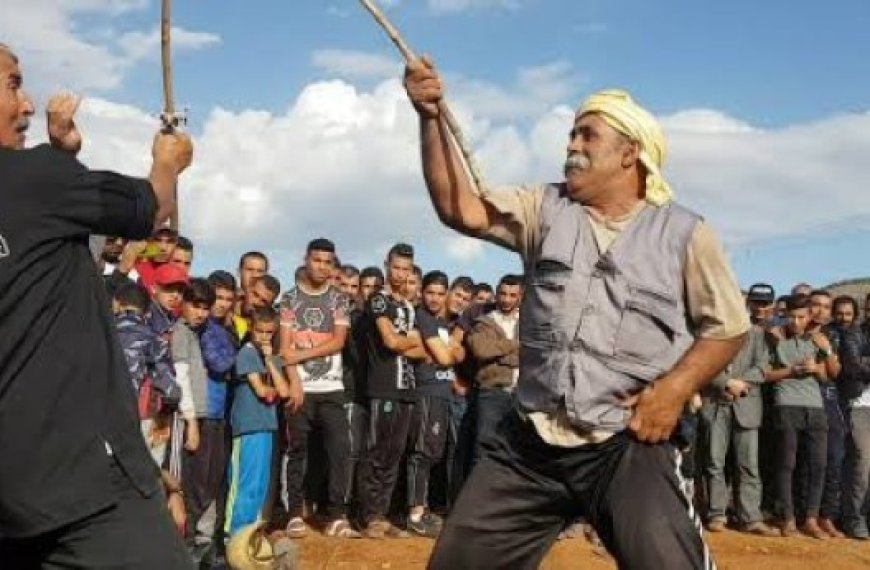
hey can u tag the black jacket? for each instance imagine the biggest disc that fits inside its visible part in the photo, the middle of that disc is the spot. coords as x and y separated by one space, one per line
854 355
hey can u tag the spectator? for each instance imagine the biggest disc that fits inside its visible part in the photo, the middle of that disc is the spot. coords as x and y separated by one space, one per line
350 279
182 254
170 281
371 281
262 292
156 253
483 294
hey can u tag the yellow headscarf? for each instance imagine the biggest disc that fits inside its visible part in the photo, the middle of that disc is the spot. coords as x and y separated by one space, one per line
621 112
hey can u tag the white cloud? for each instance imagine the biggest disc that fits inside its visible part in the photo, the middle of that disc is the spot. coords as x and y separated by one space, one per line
140 45
356 64
48 37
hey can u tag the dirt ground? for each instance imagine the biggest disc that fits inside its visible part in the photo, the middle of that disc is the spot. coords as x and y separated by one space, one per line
732 551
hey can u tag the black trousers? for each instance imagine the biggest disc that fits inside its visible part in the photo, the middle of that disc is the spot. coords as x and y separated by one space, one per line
136 533
325 412
203 472
837 433
386 443
795 425
358 422
429 426
491 406
523 491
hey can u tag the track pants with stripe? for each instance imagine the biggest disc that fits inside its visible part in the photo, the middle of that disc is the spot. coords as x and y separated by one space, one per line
523 491
249 475
429 427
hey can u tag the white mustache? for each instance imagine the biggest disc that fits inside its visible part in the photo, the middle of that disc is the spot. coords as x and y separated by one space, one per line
578 161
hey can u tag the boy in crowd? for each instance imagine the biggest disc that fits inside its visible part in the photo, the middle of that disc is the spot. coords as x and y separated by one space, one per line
799 416
371 280
182 254
314 328
190 371
494 343
153 256
259 385
149 362
170 281
390 344
483 294
434 378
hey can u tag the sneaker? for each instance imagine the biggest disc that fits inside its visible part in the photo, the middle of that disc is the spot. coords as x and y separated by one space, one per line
425 527
381 528
297 528
788 528
340 528
434 520
811 528
716 525
829 527
759 528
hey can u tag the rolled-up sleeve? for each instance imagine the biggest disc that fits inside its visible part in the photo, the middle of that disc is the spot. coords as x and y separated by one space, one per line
715 304
516 225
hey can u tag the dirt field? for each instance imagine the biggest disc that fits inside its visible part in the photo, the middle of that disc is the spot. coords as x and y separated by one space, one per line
733 551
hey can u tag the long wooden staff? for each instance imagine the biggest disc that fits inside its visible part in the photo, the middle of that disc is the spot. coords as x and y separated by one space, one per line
169 118
449 118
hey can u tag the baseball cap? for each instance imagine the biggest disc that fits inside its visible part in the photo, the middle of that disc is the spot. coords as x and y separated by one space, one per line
761 293
171 273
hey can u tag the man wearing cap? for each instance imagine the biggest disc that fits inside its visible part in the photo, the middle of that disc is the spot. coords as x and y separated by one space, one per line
760 300
78 488
630 309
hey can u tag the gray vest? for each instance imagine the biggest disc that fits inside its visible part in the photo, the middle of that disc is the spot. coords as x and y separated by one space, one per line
594 328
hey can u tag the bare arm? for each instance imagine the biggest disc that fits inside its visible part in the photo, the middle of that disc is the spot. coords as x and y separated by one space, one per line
332 346
394 341
259 386
172 153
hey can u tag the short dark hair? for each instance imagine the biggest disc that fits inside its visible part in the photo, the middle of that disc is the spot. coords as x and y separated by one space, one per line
820 293
483 286
349 270
270 282
199 291
372 271
401 250
320 244
264 315
435 278
133 295
463 282
184 244
418 271
221 279
511 280
257 254
797 302
845 300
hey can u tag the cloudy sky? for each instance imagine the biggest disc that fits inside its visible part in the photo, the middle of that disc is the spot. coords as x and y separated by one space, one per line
302 129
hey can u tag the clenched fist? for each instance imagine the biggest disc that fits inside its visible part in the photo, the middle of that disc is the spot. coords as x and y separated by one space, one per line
60 115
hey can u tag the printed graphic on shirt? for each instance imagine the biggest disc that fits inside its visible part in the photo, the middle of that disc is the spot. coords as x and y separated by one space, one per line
313 319
390 374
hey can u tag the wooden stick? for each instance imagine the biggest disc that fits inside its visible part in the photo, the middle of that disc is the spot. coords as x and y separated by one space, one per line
169 118
449 118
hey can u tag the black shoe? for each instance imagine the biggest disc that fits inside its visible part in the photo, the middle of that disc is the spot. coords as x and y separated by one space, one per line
426 527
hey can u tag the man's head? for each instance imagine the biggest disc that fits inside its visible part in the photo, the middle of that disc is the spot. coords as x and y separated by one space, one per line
845 310
264 325
483 293
435 285
183 252
350 281
371 280
197 302
224 285
760 299
615 152
252 264
460 294
509 294
399 265
820 307
130 298
112 249
802 289
335 277
798 309
162 244
264 290
170 281
319 262
414 286
16 108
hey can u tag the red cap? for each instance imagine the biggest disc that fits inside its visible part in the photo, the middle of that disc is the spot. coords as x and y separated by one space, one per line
170 273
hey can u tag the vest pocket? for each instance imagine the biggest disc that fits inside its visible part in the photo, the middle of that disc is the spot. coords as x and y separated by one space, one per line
647 327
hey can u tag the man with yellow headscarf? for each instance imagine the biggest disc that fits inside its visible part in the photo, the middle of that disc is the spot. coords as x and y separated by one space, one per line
629 309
